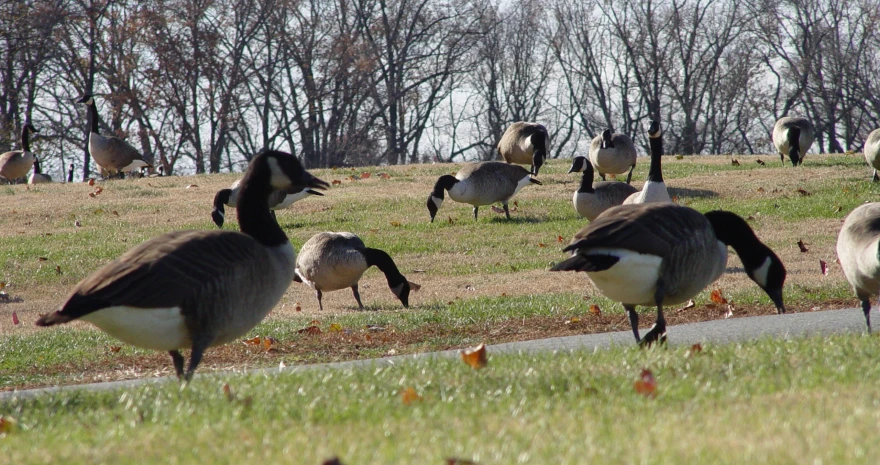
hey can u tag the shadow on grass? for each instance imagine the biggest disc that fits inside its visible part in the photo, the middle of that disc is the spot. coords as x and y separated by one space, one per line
691 193
517 220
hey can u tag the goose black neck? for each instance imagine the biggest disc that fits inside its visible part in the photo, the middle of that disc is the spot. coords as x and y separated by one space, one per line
444 182
383 261
93 117
254 217
587 180
25 139
655 172
70 174
733 231
222 198
37 169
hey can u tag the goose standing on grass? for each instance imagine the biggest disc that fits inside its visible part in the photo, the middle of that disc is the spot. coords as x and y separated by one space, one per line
16 164
654 190
277 201
197 289
872 152
112 154
591 198
37 177
525 144
330 261
793 136
482 183
658 254
613 154
858 249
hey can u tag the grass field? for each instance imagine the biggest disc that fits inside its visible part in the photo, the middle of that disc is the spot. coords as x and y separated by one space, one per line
482 281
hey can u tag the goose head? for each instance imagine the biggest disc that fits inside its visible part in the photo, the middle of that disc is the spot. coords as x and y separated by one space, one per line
794 145
607 143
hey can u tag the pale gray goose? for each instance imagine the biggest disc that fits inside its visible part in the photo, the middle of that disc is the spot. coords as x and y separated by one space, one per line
482 183
331 261
793 136
38 177
277 201
612 153
657 254
16 164
654 190
525 143
591 198
872 152
112 154
197 289
858 249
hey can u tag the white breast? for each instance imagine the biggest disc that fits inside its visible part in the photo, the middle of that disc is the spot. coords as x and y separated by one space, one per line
149 328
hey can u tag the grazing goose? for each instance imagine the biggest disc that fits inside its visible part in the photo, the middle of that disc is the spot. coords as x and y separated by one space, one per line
793 136
17 163
858 249
70 173
482 183
591 198
277 201
37 177
613 154
654 190
525 144
330 261
658 254
197 289
872 152
112 154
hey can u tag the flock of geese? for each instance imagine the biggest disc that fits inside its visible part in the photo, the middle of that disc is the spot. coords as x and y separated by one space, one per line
639 248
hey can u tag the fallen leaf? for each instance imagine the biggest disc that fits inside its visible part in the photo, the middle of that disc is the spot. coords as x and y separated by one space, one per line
374 230
760 162
365 175
228 392
42 259
515 203
7 425
451 221
91 194
717 297
98 190
312 330
497 210
297 307
572 320
15 318
409 395
646 385
254 341
679 157
268 342
77 223
824 267
560 239
694 350
760 189
541 244
396 224
674 199
734 162
2 285
384 175
351 178
98 211
91 182
115 213
503 294
192 186
335 328
594 309
800 244
336 182
457 461
115 349
58 269
803 192
690 304
475 357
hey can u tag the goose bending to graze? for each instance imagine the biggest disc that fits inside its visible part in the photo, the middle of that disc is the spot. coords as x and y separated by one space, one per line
872 152
330 261
112 154
277 201
858 249
16 164
657 254
197 289
591 198
37 177
482 183
613 154
525 144
793 136
654 190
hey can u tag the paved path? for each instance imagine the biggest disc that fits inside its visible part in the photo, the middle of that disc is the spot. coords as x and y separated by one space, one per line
715 331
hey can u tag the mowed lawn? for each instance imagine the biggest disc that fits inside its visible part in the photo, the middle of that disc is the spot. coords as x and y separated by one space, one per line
482 281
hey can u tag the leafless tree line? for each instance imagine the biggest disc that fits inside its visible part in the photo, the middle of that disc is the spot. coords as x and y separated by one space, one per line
202 85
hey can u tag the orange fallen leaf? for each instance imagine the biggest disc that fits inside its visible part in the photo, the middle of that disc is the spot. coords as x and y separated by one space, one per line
312 330
7 424
824 267
674 199
717 297
98 190
409 395
115 213
192 186
297 307
351 178
15 318
515 203
228 392
646 385
91 182
541 244
800 244
268 342
475 357
336 182
2 285
694 350
594 309
57 269
365 175
92 194
384 175
560 239
115 349
254 341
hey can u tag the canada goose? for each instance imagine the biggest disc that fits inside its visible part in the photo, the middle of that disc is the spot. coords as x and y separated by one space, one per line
654 190
664 253
872 152
17 163
112 154
482 183
37 177
858 249
277 200
525 144
591 198
613 154
330 261
70 173
197 289
793 136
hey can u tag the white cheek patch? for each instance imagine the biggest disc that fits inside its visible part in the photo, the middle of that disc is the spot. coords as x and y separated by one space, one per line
760 273
279 179
437 201
522 183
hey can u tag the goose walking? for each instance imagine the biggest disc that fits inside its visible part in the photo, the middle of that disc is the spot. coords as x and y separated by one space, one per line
37 177
277 201
613 154
16 164
658 254
872 152
197 289
793 136
482 183
591 198
330 261
525 144
858 249
112 154
654 190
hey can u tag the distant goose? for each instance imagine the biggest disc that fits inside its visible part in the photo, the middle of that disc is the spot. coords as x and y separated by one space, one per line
197 289
37 177
482 183
16 164
872 152
654 190
591 198
277 200
858 248
112 154
613 154
330 261
525 144
793 136
658 254
70 173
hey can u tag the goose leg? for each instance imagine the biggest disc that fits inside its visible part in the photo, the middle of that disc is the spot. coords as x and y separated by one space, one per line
866 307
602 175
658 332
475 212
318 294
195 357
876 177
630 175
633 320
506 210
178 362
357 296
782 158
